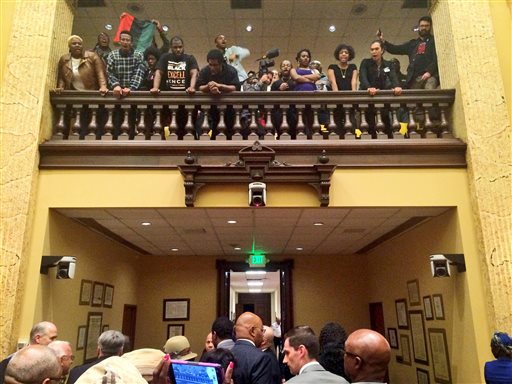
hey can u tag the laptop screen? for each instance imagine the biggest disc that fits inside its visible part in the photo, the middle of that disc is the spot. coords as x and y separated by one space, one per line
189 372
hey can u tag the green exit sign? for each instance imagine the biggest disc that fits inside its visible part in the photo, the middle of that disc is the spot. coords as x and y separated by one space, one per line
257 260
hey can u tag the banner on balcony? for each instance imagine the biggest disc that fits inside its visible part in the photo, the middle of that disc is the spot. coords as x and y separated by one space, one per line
141 30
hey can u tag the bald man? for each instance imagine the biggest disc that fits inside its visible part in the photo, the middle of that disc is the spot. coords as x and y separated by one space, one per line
64 353
35 364
252 365
267 346
367 356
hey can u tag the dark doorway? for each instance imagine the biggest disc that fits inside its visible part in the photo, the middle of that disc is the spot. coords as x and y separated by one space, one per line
258 303
284 268
129 321
377 318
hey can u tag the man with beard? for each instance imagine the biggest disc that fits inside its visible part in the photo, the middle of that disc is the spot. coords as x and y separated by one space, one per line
177 71
422 72
285 83
233 55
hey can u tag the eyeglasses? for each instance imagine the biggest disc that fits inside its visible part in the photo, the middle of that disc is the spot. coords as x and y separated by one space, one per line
347 353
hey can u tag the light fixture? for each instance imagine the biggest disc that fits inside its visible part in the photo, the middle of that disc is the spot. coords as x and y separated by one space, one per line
108 27
299 249
232 221
253 273
332 28
165 28
254 290
248 28
237 248
145 223
174 249
255 283
318 224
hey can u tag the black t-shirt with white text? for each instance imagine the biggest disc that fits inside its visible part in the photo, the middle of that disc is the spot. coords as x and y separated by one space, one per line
176 71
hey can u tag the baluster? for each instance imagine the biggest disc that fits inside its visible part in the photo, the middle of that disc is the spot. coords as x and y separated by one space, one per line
59 127
140 128
189 127
285 127
74 133
221 127
412 126
269 134
237 127
429 133
364 123
444 126
347 126
332 124
205 127
173 126
380 127
301 135
124 128
395 124
317 135
109 126
92 127
253 126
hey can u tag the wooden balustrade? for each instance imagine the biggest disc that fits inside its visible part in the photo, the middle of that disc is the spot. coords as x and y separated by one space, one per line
253 116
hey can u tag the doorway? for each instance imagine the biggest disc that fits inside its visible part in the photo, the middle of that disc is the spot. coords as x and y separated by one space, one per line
128 327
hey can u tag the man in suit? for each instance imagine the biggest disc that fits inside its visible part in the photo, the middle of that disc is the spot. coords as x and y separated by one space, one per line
301 349
252 366
110 343
267 346
367 356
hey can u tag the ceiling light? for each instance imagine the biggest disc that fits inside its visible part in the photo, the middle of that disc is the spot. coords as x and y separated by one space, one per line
108 27
165 28
318 224
255 290
237 248
232 221
255 273
332 28
299 249
174 249
145 223
248 28
255 283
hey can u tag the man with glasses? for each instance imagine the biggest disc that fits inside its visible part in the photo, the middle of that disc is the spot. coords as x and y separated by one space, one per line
65 355
252 366
301 348
367 355
35 364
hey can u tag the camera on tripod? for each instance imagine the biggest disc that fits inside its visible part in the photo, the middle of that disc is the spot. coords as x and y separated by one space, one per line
266 61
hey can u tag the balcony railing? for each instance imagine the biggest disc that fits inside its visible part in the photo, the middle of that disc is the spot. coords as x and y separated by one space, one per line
253 116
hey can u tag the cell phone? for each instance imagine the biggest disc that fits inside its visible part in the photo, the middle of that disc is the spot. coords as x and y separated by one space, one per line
190 372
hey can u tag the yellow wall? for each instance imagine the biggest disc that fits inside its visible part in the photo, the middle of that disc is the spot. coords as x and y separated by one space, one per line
6 15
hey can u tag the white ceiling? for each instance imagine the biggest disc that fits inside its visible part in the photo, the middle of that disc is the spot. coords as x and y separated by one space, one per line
289 25
239 280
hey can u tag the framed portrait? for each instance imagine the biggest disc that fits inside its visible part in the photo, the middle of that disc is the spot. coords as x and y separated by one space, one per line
80 338
175 330
413 288
85 292
438 306
440 356
401 314
422 376
427 307
406 349
419 338
108 297
176 309
392 338
105 328
94 320
97 294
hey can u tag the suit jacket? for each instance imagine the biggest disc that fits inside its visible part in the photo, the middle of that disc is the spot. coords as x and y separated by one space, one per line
252 366
78 371
317 374
275 368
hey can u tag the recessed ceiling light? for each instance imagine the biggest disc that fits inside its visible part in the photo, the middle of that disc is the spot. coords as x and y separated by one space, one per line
237 248
108 27
165 28
145 223
248 28
299 249
255 283
332 28
232 221
255 273
254 290
174 249
318 224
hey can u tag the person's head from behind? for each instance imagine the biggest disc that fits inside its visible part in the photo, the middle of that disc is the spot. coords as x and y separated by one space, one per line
249 326
177 46
501 345
300 347
219 356
151 56
215 60
110 343
35 364
64 353
178 347
332 333
424 26
43 333
344 53
367 355
222 329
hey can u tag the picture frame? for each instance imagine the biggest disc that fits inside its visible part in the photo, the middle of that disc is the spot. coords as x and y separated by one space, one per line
176 309
175 330
406 349
393 338
105 327
413 288
94 320
427 306
440 356
419 337
437 301
401 314
85 292
422 376
97 294
80 338
108 297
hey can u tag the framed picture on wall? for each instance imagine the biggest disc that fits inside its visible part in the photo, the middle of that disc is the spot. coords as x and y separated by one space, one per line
406 349
401 314
427 306
438 306
440 356
392 338
413 288
419 338
108 298
175 330
94 320
97 294
422 376
80 339
85 292
176 309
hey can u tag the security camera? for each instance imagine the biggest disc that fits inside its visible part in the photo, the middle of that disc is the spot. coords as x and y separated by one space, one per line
257 194
66 266
440 264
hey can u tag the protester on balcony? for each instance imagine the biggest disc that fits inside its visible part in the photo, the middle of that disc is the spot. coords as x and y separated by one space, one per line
422 72
217 78
285 83
259 82
233 55
166 44
102 47
151 57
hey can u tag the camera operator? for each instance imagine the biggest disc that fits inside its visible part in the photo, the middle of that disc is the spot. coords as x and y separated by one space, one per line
285 83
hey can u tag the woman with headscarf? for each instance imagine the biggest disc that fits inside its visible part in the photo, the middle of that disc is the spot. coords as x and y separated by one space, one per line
499 371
